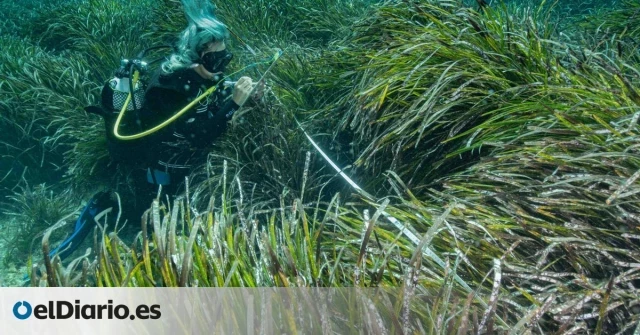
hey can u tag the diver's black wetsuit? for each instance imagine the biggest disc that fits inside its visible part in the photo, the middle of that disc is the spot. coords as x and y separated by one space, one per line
174 148
177 147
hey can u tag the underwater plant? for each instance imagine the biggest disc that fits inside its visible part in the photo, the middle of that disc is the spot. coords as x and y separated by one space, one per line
233 242
30 212
618 22
500 156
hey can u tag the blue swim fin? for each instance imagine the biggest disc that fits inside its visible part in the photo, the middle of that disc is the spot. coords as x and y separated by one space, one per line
85 223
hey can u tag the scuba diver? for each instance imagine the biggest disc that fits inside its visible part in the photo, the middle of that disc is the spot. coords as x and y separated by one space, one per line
185 106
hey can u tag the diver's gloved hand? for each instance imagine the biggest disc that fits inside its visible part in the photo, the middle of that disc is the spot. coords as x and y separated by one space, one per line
242 90
86 221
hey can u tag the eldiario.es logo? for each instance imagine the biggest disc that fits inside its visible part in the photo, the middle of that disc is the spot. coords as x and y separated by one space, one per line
63 310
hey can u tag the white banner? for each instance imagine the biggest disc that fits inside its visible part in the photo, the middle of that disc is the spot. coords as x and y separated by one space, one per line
120 311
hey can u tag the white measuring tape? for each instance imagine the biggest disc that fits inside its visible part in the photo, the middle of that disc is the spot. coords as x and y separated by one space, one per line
403 228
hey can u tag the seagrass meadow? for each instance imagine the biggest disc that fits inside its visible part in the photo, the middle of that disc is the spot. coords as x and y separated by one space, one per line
496 144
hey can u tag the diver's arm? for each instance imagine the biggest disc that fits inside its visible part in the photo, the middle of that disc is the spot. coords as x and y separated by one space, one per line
223 114
205 131
218 114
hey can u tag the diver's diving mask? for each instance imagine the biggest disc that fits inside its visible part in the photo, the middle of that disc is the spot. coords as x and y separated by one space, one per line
216 61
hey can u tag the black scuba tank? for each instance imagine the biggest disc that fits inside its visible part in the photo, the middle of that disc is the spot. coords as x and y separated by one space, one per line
113 97
116 90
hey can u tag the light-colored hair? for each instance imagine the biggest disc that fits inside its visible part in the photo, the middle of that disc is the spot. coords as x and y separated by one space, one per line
203 27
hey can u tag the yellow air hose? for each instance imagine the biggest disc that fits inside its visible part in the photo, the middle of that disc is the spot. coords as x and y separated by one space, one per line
136 77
